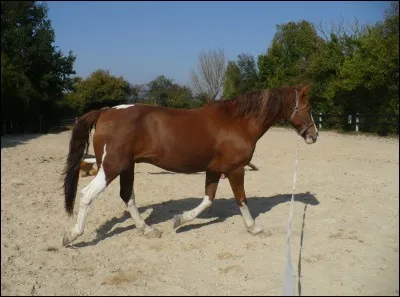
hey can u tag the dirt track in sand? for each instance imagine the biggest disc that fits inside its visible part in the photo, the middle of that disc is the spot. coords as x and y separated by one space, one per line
348 201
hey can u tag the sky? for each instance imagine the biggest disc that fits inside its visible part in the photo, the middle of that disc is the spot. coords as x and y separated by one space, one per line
141 40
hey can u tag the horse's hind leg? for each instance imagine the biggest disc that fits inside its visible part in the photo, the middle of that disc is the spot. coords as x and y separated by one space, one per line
236 179
212 180
128 196
90 192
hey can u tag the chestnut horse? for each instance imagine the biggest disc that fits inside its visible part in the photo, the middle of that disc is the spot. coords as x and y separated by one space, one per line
217 138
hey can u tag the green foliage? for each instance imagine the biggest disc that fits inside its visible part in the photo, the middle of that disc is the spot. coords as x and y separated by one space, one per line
241 76
163 91
158 89
232 81
180 97
359 73
248 73
288 58
99 90
34 73
353 70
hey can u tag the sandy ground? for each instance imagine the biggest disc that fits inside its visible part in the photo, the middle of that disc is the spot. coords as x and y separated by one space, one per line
346 218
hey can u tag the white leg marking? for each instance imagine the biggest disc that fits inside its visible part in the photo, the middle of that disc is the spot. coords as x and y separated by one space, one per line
90 192
248 219
190 215
251 226
123 106
139 222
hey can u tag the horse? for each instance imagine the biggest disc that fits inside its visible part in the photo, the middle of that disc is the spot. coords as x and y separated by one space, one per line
217 138
88 167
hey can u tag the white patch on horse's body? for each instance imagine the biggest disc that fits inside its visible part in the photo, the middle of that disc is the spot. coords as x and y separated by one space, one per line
90 160
89 193
248 220
123 106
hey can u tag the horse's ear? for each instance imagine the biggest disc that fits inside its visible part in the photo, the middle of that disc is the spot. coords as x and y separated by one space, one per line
306 88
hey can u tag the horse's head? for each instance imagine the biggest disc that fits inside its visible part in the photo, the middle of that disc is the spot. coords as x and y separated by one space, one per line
301 118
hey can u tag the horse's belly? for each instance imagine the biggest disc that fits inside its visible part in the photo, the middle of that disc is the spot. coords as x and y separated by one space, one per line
184 162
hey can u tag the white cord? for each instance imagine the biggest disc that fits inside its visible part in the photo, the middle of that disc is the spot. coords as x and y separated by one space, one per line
289 278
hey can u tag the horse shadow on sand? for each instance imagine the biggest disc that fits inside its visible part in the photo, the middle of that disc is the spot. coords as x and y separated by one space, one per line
220 210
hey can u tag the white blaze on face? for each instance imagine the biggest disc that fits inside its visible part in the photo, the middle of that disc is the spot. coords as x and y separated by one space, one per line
122 106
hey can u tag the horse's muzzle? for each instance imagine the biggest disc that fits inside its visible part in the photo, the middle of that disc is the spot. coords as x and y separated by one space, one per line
310 139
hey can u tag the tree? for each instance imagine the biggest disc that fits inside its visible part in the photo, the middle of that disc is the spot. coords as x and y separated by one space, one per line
180 97
287 60
34 72
158 89
357 70
370 75
162 91
323 70
232 81
248 72
100 89
240 76
209 78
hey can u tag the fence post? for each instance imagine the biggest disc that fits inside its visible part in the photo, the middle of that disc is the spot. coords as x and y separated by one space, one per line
357 121
349 119
320 121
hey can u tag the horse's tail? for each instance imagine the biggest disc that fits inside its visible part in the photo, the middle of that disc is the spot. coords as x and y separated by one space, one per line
78 143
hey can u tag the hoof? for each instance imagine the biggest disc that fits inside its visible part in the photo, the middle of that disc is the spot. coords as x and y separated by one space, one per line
255 230
152 232
67 239
177 221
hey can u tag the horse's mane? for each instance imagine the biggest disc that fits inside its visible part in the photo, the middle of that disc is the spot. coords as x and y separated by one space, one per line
266 104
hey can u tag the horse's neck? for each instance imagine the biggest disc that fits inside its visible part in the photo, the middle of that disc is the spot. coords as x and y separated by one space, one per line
269 120
254 126
257 128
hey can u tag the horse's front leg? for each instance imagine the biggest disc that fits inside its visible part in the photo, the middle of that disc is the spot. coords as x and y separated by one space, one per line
236 179
212 179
